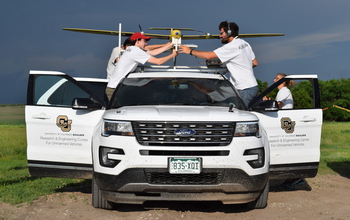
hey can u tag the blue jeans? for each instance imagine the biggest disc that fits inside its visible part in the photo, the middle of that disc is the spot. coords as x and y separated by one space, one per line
247 95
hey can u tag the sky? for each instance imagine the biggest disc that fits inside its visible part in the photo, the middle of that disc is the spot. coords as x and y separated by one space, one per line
316 41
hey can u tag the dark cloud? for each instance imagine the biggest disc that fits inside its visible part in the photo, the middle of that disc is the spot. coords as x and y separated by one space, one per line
32 35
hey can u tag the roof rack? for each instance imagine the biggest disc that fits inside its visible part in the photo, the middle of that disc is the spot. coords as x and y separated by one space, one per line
199 69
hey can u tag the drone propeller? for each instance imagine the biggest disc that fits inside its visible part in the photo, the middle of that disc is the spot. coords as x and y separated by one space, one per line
141 29
208 34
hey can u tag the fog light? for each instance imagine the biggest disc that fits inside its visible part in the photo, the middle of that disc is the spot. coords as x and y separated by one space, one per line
105 161
260 161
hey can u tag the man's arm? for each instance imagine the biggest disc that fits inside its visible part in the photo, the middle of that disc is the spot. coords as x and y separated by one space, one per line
154 50
255 62
200 54
154 46
280 104
161 60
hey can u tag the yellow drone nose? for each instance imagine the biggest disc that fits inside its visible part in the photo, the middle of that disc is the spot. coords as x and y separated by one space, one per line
176 34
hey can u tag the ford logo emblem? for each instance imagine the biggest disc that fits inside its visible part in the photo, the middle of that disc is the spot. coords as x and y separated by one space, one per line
184 132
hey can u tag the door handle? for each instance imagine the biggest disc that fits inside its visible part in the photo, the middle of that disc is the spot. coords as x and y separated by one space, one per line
41 116
307 119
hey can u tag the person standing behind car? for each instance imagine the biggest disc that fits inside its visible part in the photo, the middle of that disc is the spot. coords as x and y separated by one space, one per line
116 52
285 101
284 97
134 55
238 56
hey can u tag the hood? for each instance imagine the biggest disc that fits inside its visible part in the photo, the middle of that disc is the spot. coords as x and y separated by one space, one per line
178 113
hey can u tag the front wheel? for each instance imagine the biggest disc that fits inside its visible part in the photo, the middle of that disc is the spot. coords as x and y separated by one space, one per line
261 201
97 200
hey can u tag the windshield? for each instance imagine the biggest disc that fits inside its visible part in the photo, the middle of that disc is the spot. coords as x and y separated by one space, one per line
175 91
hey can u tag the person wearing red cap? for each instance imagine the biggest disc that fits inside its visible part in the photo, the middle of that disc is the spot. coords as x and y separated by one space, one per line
117 52
134 55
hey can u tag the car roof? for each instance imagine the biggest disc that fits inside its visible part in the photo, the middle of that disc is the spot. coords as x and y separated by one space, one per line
179 71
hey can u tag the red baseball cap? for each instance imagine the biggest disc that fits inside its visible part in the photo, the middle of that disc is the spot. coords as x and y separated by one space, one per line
138 35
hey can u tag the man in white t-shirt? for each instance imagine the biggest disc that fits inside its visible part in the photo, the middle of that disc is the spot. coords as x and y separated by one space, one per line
117 52
135 55
113 59
238 56
284 97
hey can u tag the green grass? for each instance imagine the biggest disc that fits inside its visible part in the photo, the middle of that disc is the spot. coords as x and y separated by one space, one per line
335 148
12 114
17 186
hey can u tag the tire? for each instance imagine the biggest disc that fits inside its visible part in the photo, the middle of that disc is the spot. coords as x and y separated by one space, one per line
261 201
97 200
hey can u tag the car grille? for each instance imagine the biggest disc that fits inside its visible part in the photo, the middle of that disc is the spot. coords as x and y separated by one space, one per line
184 153
202 133
184 179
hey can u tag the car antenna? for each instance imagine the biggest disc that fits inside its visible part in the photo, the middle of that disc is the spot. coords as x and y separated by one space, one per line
231 107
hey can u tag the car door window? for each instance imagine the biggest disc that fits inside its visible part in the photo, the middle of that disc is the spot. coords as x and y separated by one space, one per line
58 91
98 88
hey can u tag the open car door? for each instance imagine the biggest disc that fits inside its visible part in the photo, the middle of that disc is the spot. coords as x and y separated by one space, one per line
61 115
294 134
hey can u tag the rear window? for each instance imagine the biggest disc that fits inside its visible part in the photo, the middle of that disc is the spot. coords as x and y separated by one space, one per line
175 91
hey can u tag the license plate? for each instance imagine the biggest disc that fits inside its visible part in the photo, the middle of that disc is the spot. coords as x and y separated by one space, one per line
185 165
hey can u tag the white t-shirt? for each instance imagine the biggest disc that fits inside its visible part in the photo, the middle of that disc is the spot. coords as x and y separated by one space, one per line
111 62
285 96
238 56
127 63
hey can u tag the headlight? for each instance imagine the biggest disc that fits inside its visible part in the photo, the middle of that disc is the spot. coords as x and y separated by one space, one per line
244 129
117 128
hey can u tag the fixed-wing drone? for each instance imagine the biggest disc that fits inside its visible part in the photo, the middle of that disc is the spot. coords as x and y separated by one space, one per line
175 35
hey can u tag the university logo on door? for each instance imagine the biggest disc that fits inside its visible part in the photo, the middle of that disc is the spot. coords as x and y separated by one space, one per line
287 125
64 123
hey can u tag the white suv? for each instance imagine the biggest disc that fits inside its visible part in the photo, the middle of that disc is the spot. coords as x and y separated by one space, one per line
180 134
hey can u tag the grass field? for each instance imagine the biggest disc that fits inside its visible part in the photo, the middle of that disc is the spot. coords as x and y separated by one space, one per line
335 148
13 115
17 186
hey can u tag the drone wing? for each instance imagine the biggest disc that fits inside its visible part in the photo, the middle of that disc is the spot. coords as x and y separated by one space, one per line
216 36
116 33
93 31
259 35
169 36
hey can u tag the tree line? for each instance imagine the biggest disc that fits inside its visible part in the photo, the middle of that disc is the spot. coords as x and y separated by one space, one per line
335 97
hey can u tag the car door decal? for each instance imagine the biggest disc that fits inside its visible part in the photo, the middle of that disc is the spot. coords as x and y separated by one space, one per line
64 123
287 125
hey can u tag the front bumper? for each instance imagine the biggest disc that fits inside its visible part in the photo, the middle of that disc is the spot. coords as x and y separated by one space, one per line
135 186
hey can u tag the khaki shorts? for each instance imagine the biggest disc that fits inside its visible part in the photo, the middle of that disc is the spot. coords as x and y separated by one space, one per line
109 92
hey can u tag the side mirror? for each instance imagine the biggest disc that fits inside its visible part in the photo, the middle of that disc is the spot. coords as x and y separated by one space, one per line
85 104
266 106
